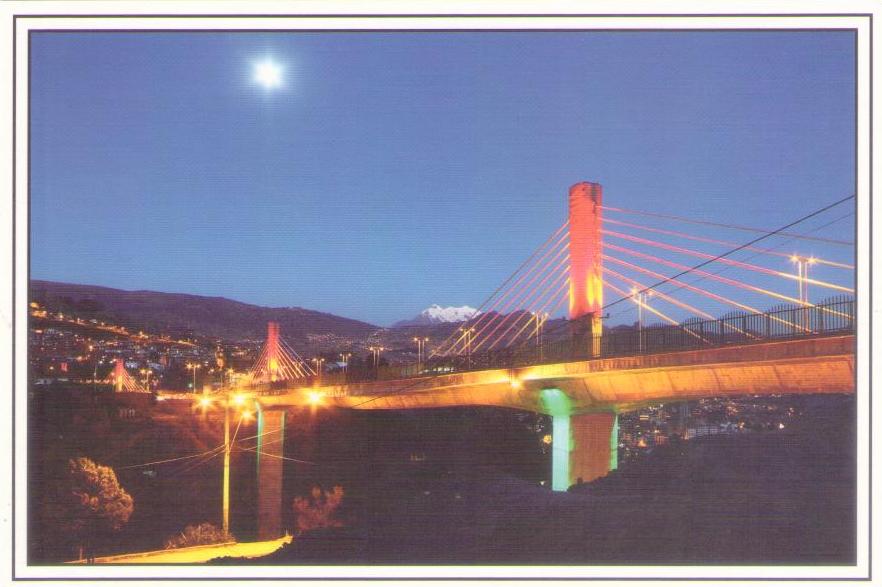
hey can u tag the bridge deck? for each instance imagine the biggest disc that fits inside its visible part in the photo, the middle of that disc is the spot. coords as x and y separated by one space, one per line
806 365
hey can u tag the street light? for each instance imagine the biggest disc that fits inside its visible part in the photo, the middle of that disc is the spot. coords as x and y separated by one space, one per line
314 397
319 361
193 367
345 358
94 371
376 350
239 400
146 373
802 267
468 333
542 318
421 344
639 297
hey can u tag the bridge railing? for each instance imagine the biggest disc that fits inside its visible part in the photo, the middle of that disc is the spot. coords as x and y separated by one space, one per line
833 316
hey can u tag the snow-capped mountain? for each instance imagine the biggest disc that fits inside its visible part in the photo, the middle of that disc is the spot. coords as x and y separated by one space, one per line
436 314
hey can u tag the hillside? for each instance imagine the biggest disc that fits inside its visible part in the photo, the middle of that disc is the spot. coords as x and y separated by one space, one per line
175 313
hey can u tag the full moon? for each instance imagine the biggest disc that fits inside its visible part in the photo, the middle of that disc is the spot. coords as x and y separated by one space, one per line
268 74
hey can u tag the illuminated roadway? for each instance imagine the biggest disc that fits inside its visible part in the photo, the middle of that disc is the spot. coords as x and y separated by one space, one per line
805 365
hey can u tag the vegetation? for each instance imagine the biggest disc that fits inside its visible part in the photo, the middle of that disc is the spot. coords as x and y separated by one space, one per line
318 509
204 533
89 502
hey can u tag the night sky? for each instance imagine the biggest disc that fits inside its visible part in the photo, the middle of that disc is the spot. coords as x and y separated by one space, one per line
390 171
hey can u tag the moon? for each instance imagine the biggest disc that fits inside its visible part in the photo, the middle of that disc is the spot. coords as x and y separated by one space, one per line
268 74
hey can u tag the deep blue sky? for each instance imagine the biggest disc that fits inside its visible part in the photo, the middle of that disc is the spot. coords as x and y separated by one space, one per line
393 171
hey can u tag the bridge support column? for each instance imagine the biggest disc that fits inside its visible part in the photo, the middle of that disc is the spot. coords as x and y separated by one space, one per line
584 448
270 449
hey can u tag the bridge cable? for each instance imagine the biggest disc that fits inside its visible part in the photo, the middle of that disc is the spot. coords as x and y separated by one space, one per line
489 317
508 279
524 296
738 248
727 253
778 246
731 226
765 251
732 262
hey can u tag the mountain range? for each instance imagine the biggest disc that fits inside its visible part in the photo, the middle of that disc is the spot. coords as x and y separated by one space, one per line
436 314
176 313
186 315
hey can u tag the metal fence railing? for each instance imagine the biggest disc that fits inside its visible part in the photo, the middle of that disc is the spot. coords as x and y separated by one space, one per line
833 316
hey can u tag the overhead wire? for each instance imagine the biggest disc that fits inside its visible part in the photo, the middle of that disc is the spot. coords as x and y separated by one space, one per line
731 226
761 250
733 262
768 234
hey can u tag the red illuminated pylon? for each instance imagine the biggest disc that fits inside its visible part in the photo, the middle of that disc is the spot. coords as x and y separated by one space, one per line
586 262
272 350
278 361
121 379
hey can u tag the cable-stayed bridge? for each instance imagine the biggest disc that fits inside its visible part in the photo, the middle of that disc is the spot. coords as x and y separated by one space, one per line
515 353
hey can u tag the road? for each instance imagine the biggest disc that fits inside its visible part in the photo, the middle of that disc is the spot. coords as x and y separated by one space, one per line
195 554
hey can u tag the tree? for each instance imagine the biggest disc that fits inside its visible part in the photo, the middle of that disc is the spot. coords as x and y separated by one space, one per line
90 502
317 510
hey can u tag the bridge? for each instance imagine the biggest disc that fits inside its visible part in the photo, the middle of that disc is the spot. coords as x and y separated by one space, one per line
511 355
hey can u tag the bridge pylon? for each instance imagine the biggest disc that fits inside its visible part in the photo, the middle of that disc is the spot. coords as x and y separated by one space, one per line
586 266
121 380
278 361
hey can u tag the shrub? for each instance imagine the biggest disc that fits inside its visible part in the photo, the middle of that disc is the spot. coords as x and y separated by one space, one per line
318 509
204 533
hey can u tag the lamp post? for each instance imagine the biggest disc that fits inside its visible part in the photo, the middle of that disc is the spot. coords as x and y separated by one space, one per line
421 344
345 358
94 371
226 489
802 267
146 373
319 361
193 367
468 333
639 297
238 401
541 318
376 350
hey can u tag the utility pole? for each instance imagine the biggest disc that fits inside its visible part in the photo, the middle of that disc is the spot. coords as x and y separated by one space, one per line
226 490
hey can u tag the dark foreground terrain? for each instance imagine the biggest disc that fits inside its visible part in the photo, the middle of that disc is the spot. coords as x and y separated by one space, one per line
761 498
